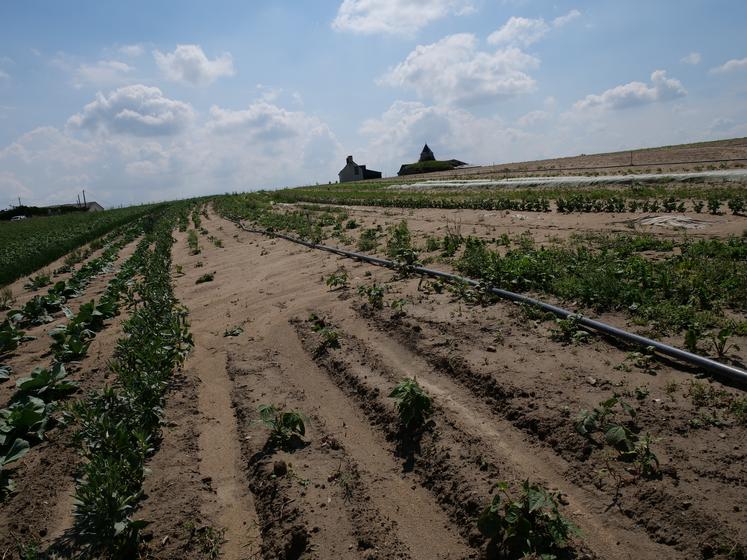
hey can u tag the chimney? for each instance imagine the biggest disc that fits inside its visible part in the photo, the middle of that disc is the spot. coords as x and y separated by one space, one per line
349 159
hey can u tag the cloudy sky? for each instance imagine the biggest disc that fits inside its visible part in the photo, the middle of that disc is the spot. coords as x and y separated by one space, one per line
141 100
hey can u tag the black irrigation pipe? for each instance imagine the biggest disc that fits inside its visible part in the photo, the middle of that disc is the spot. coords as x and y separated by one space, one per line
726 372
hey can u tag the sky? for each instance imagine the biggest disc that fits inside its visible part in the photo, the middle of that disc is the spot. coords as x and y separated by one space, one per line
142 101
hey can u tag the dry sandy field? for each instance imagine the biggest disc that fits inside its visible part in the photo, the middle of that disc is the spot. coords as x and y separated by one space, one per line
505 394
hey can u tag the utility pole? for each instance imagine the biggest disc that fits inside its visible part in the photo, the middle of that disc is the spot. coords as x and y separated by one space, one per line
19 201
84 197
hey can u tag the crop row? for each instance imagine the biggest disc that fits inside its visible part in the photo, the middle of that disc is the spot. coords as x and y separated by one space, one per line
29 245
36 399
118 428
39 309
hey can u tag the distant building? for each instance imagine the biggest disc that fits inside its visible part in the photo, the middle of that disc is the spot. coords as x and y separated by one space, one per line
428 164
87 207
354 172
427 154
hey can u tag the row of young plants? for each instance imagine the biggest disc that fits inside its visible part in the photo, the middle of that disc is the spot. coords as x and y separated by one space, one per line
118 428
40 308
516 524
36 401
29 245
631 199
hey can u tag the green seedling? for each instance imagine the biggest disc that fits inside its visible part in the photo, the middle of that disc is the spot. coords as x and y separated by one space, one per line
569 331
413 405
375 295
5 372
207 277
48 384
720 342
284 425
37 282
338 279
528 525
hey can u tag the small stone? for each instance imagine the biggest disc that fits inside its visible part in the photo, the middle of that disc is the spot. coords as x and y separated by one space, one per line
491 349
686 504
591 380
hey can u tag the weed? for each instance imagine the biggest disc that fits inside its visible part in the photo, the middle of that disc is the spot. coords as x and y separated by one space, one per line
6 298
284 425
529 525
398 305
235 331
207 277
432 244
412 403
206 539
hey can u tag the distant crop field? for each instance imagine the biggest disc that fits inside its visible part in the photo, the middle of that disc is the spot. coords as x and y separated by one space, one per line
28 245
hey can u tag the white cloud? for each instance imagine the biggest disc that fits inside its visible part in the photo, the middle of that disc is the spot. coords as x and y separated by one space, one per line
398 17
132 50
526 31
532 118
560 21
144 151
692 58
454 71
189 64
102 73
635 93
137 110
4 76
731 65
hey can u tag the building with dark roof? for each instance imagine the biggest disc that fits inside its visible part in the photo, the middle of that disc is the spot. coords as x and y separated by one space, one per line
354 172
429 164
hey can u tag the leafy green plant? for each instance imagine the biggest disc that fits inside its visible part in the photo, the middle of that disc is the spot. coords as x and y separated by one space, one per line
338 279
398 305
10 453
194 242
26 418
630 446
569 331
375 295
413 405
5 372
399 241
368 240
284 425
48 384
207 277
10 336
529 524
71 341
37 282
720 342
714 205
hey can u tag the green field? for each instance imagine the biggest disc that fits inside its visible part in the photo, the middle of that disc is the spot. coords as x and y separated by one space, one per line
28 245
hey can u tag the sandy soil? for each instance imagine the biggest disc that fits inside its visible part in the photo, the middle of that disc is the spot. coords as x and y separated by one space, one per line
505 395
503 412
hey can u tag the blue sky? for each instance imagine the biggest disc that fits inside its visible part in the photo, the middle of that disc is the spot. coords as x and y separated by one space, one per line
143 101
